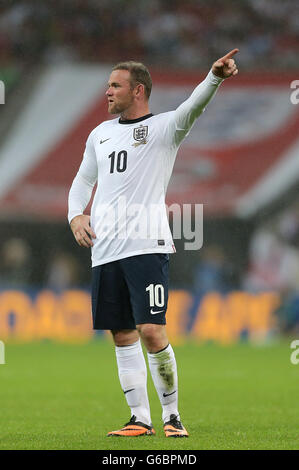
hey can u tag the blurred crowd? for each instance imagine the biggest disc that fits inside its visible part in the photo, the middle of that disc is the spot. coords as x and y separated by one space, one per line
272 266
274 254
184 34
20 269
274 263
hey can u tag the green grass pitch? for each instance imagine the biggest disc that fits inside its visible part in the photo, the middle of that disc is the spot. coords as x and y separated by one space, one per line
60 396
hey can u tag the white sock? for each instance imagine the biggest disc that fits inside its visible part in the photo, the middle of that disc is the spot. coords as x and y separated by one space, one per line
132 374
164 373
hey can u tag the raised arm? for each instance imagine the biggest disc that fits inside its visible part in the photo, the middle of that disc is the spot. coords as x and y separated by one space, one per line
189 110
79 197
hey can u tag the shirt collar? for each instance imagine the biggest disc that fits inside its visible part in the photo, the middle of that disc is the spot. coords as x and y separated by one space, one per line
132 121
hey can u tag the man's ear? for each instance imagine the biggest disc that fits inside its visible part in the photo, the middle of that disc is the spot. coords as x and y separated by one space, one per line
140 90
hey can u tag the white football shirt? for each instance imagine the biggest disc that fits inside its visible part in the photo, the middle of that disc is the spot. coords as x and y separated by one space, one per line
132 162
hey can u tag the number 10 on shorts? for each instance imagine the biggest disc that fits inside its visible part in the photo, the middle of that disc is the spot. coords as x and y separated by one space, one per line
156 295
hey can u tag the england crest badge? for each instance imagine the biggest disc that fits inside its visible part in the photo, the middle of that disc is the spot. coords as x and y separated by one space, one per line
140 134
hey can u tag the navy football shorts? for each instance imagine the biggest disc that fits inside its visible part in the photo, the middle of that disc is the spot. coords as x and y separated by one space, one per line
130 291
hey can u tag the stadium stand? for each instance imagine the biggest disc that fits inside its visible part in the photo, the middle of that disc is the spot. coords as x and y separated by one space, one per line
53 31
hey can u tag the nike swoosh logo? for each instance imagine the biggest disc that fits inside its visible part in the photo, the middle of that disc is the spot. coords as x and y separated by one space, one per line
154 313
168 394
102 141
127 391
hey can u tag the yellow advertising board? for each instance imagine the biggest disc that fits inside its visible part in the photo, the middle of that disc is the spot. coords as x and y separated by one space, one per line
67 316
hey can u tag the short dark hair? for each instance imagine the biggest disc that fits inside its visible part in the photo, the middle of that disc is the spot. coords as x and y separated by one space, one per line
138 74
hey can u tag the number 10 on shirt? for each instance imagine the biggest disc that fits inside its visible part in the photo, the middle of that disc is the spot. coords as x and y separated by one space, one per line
121 161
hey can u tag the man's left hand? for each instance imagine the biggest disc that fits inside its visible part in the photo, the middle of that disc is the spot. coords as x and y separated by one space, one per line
225 67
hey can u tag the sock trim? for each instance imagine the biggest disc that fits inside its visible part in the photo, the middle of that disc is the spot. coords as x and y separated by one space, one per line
157 352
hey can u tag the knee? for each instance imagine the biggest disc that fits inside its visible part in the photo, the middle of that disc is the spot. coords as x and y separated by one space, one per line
124 337
148 331
153 336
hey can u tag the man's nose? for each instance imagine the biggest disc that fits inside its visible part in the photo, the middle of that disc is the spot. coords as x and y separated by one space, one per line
108 92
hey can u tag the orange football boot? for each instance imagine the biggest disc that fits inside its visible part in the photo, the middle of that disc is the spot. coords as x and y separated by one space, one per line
174 428
133 429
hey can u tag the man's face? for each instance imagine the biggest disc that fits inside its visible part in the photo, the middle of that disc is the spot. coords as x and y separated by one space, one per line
120 95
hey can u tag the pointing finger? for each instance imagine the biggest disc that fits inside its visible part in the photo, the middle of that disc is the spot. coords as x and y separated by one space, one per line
228 55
